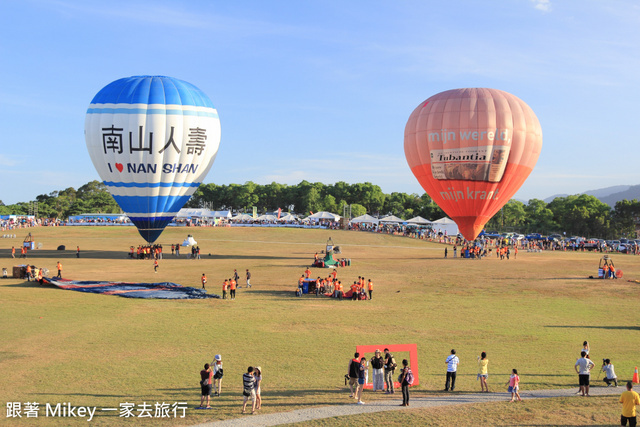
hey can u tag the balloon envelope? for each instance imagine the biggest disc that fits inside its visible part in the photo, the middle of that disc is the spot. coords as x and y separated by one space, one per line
471 150
152 140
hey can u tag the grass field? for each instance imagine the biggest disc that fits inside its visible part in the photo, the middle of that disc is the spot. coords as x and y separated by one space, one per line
531 313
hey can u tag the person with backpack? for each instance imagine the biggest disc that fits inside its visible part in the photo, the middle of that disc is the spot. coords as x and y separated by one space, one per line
389 369
405 379
352 372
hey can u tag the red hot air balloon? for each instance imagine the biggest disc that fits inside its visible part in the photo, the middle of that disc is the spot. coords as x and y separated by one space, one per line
471 150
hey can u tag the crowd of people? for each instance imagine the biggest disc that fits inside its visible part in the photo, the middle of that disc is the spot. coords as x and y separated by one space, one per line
361 289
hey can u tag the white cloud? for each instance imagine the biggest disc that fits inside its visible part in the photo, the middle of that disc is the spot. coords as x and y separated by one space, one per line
543 5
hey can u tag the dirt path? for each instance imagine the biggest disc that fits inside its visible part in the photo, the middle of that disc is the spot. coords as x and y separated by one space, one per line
393 404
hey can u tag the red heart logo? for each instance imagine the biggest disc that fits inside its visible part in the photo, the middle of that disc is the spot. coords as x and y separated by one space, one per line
119 167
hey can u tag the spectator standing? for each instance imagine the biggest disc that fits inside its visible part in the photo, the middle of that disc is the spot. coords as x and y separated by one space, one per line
362 373
203 279
404 382
352 371
483 372
452 362
248 278
206 376
232 289
583 368
514 385
217 374
629 399
377 364
258 375
59 267
249 390
389 370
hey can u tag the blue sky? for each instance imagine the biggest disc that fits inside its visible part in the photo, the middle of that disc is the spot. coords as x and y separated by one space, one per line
322 90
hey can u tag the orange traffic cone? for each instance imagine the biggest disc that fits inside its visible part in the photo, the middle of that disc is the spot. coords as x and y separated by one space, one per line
635 376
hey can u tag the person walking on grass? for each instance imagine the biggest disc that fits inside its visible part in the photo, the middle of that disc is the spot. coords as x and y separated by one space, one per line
206 376
452 362
248 278
249 390
514 386
483 372
629 400
405 382
583 368
155 265
203 279
59 267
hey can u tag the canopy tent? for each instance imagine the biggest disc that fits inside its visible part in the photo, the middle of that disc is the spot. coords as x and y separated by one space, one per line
289 217
324 215
392 218
242 217
266 218
193 213
366 218
445 225
418 220
221 214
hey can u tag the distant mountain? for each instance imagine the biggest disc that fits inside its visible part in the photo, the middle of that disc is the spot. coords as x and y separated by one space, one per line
633 192
609 195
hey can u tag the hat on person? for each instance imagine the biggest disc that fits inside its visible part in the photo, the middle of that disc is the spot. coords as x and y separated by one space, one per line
258 368
377 350
218 357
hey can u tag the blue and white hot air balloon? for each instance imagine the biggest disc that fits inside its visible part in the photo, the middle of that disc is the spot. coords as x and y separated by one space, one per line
152 140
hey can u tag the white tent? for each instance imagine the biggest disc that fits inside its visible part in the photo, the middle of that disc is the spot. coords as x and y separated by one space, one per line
266 218
242 217
418 220
288 217
221 214
392 218
194 213
365 218
324 215
445 225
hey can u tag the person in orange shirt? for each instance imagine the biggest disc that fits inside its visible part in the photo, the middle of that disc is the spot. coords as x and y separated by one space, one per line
225 286
307 273
40 276
59 267
28 273
232 289
370 286
340 290
203 279
155 266
354 291
13 251
334 273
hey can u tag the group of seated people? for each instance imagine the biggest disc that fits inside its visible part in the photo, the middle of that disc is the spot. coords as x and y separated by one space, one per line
331 286
609 271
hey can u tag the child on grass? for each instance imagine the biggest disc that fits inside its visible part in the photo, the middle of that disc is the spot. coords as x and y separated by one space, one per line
514 386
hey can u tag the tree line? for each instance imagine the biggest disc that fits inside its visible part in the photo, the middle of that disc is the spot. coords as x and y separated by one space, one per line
579 215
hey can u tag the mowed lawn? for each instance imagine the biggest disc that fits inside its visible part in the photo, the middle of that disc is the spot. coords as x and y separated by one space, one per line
531 313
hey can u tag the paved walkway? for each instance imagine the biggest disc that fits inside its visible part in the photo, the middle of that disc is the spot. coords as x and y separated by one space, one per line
393 404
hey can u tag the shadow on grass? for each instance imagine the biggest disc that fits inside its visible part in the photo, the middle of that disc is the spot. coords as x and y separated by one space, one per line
68 254
624 328
81 394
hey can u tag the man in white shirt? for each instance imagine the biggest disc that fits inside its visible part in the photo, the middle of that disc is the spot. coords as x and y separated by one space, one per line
583 368
452 368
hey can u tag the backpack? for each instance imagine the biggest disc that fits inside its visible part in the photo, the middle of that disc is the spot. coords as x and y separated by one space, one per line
392 365
409 377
